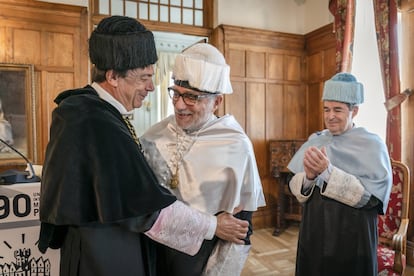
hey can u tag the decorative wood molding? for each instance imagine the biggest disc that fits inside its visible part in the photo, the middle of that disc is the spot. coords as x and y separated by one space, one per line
320 39
264 38
406 5
41 12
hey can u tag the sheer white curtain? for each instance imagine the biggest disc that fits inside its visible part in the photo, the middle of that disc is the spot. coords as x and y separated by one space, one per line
365 66
163 80
157 105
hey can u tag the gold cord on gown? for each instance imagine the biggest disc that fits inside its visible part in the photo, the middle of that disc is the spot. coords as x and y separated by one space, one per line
133 133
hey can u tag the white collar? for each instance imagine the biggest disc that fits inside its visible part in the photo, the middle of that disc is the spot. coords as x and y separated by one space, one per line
104 95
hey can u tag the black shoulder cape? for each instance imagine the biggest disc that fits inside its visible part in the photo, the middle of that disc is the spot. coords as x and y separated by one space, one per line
93 169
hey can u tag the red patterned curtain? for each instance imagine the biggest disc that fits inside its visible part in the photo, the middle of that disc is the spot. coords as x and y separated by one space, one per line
386 21
344 23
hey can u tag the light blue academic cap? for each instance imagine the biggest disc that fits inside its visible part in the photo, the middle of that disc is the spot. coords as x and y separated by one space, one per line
343 87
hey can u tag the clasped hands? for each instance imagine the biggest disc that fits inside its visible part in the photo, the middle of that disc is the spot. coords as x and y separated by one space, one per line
315 162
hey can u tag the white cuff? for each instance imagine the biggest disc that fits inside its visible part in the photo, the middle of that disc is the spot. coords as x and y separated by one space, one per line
181 227
295 186
212 228
344 187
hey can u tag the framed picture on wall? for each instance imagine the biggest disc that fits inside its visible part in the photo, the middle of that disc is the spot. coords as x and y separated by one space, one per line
17 113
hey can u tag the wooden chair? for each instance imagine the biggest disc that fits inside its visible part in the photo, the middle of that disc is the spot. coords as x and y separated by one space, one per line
392 227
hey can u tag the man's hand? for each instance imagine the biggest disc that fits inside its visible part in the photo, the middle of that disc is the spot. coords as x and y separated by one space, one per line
315 162
231 229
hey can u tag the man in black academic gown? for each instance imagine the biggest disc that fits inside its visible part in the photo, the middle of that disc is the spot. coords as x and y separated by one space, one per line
99 198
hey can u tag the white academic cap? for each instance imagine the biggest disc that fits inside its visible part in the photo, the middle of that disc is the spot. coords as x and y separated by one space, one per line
343 87
202 67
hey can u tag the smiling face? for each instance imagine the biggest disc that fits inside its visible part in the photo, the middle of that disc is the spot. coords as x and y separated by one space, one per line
192 117
338 116
132 89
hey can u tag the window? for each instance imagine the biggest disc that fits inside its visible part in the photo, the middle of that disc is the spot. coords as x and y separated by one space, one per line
158 104
187 12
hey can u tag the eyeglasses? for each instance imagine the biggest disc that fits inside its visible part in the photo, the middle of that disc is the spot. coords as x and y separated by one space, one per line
188 98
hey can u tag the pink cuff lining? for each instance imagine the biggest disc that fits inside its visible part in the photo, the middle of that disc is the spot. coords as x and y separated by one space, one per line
181 227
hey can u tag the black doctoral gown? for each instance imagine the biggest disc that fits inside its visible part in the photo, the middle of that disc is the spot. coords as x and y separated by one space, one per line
336 239
97 192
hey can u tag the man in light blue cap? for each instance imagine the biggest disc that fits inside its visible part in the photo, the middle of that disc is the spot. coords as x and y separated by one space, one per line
343 178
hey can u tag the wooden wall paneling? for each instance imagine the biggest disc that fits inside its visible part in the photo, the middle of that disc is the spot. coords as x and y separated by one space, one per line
316 78
407 111
260 38
255 129
255 104
274 118
315 66
216 38
53 38
290 70
274 111
59 73
24 52
255 121
406 5
53 83
329 56
269 65
294 105
275 65
293 68
3 42
320 66
237 61
256 72
315 108
59 50
255 64
320 39
15 43
235 103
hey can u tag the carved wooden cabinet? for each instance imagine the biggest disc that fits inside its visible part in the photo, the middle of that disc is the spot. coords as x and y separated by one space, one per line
288 208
